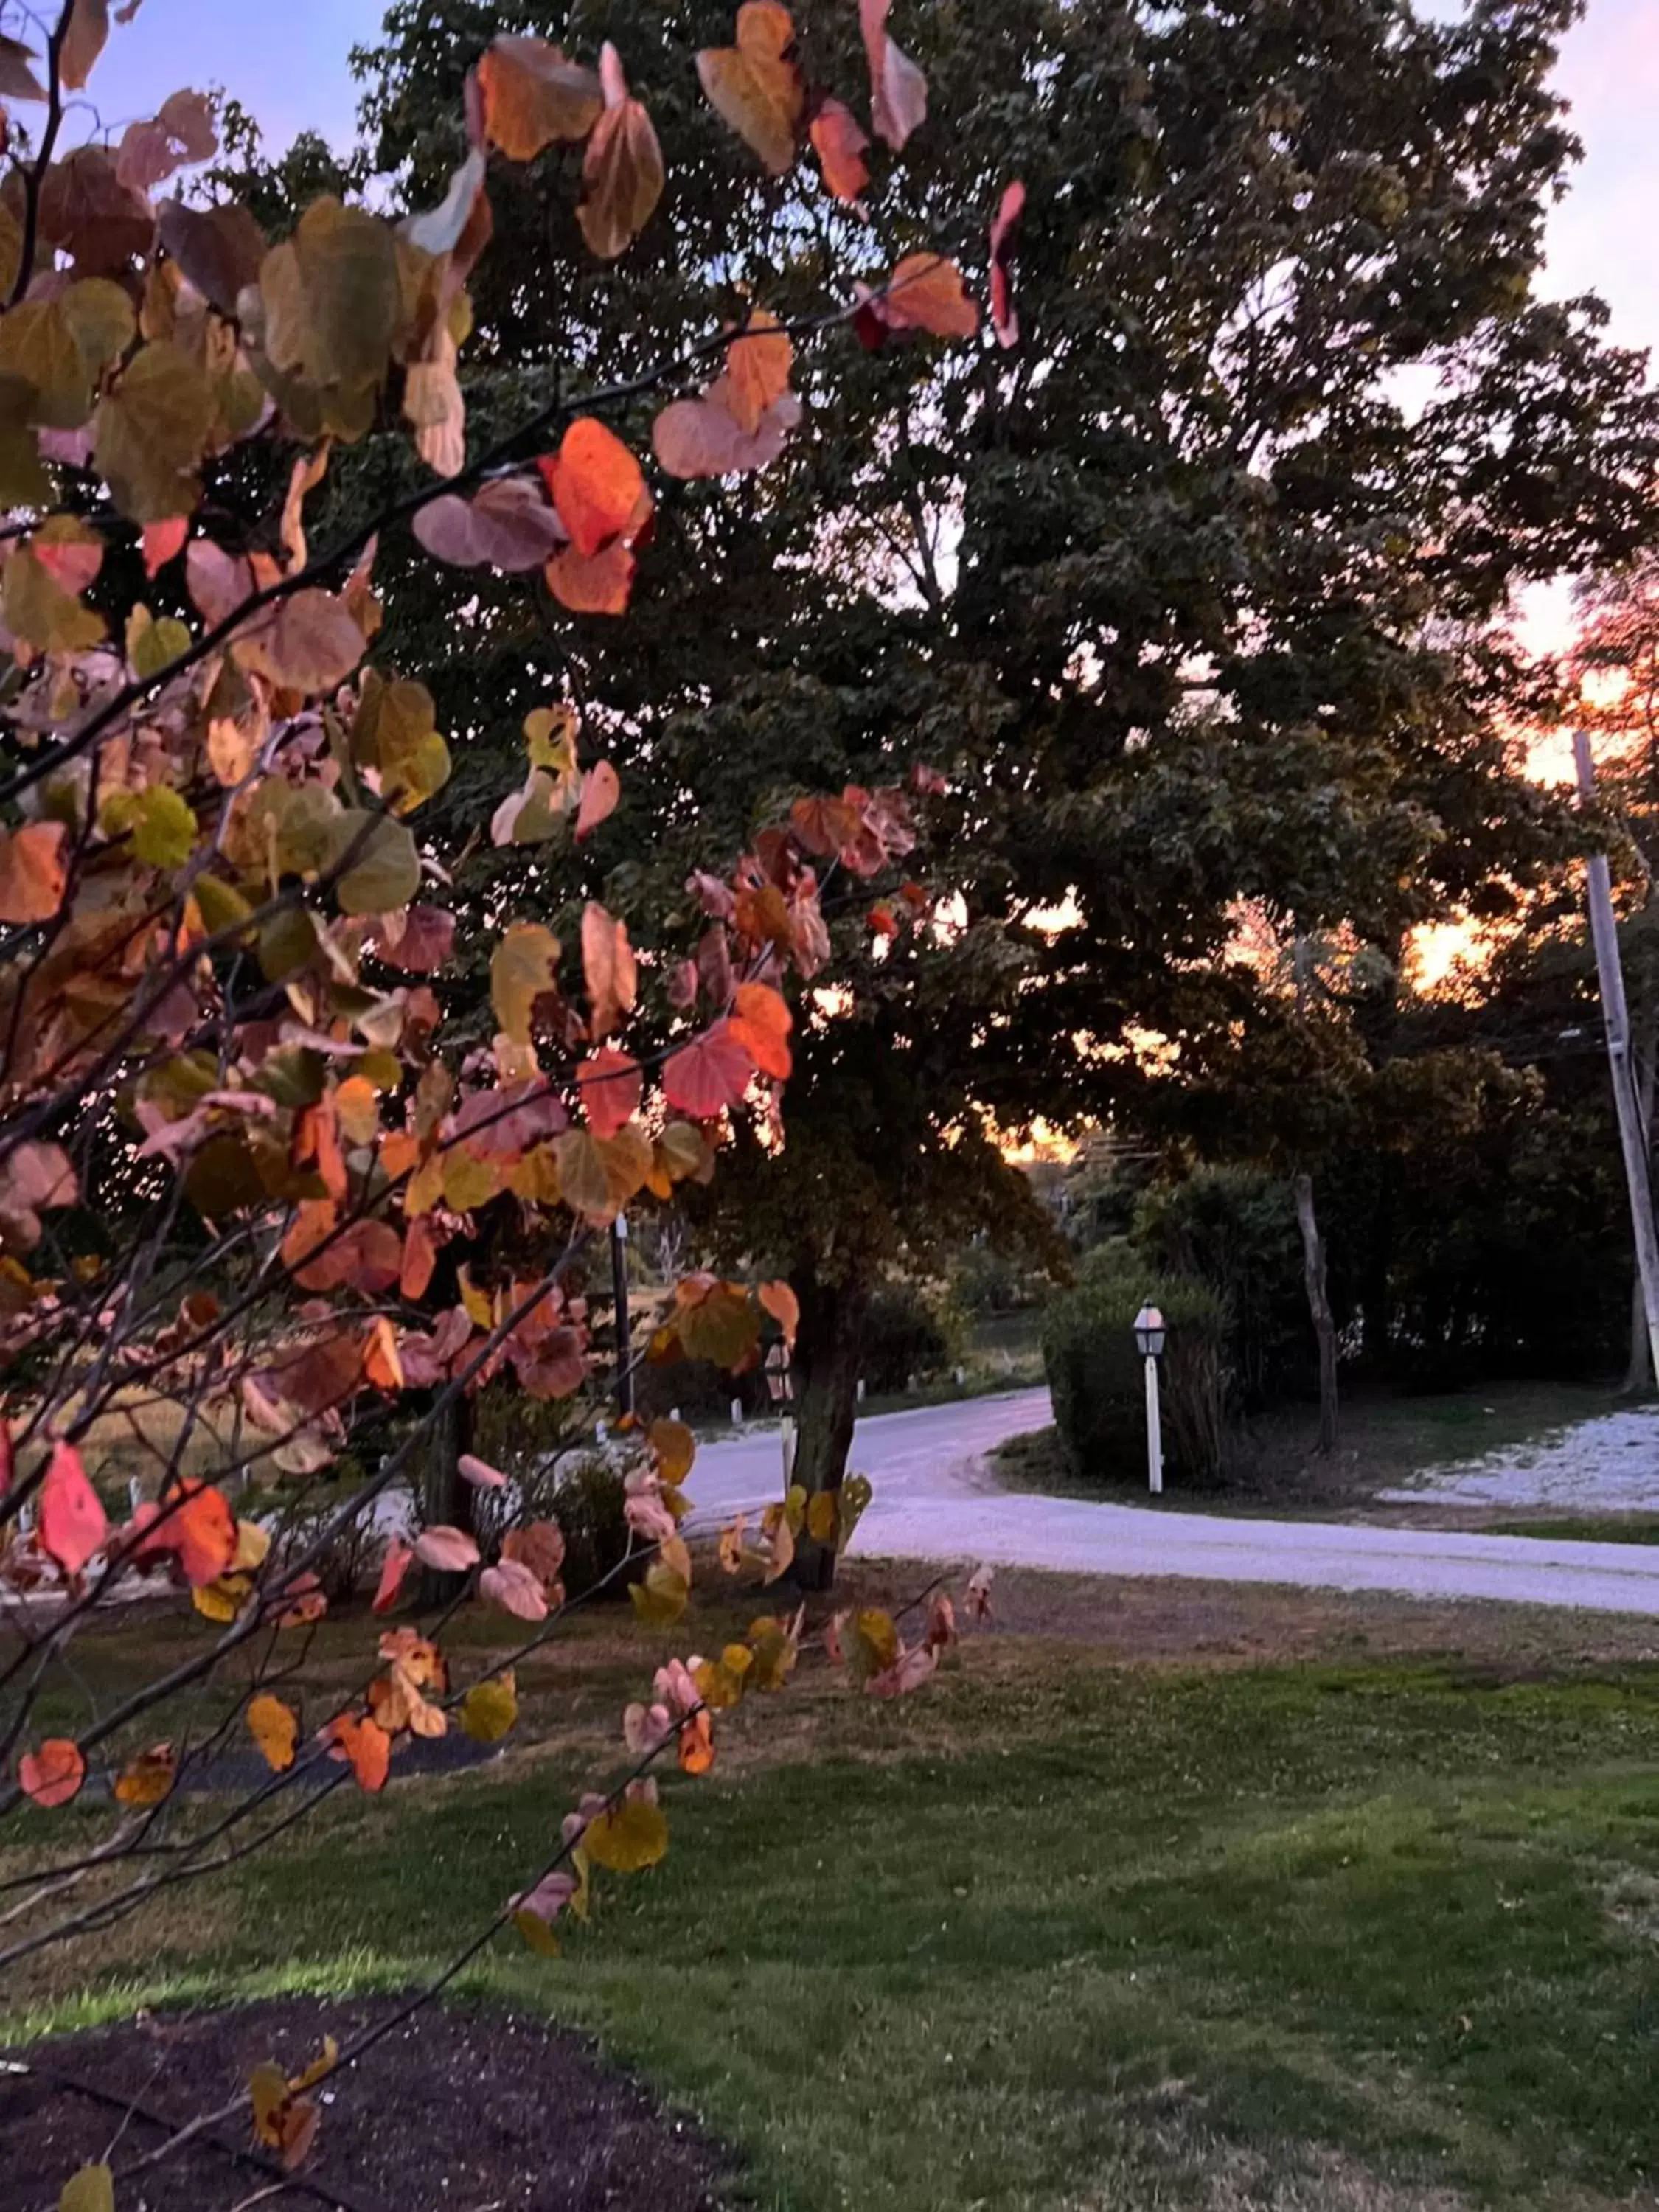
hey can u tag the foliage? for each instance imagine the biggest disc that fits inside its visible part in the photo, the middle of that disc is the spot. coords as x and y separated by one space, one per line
1234 1230
262 1163
908 1331
1096 1374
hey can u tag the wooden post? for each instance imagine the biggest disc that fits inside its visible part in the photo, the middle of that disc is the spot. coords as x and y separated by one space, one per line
1615 1019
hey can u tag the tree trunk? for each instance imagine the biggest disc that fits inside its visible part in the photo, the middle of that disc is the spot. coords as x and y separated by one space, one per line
445 1498
1319 1306
825 1368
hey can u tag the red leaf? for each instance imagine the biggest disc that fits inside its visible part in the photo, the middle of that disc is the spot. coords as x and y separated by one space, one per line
450 1551
898 90
479 1473
516 1588
52 1775
164 541
197 1527
601 789
610 1087
420 1257
622 169
596 484
608 969
1004 321
925 293
531 96
839 144
704 1077
704 438
424 940
508 525
599 587
393 1567
73 1522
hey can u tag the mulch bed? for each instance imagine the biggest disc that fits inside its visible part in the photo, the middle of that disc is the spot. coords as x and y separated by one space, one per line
452 2112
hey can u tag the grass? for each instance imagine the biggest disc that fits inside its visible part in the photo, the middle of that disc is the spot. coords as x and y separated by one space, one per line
1060 1933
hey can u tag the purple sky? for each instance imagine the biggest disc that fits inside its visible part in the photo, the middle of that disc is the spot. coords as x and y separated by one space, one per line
286 60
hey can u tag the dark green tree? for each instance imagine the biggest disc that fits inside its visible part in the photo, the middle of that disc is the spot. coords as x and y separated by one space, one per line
1196 594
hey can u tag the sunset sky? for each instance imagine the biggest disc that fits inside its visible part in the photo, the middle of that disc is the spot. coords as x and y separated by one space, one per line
286 61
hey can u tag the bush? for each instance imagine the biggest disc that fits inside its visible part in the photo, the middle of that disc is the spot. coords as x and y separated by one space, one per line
1234 1228
906 1333
1095 1376
584 1490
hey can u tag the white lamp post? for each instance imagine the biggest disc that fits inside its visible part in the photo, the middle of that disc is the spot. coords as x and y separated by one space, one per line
1149 1342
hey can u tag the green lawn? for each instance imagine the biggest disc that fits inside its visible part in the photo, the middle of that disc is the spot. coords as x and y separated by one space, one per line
1061 1934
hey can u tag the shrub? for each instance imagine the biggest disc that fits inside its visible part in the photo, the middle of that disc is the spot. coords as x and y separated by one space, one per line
1095 1372
1234 1228
908 1332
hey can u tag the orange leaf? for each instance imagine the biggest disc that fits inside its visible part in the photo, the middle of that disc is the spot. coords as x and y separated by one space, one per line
755 85
780 1302
393 1567
621 170
366 1744
698 1745
420 1257
898 90
762 1024
610 1086
601 789
200 1530
596 484
73 1522
381 1365
608 967
707 1076
52 1775
149 1778
925 293
33 874
674 1447
839 144
598 587
275 1729
757 366
533 96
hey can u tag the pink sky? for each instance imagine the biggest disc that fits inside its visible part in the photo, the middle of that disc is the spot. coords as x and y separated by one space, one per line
286 60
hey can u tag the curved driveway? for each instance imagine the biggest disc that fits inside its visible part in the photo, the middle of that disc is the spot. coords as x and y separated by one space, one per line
934 1498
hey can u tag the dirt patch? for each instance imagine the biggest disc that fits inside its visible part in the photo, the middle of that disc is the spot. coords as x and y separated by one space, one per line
470 2112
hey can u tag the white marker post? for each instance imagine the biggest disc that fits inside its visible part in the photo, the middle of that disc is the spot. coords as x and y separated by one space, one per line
1149 1342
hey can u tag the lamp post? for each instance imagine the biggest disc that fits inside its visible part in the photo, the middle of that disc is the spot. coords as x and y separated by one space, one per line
1149 1343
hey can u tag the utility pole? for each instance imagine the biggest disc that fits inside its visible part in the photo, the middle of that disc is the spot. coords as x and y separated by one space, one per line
1615 1017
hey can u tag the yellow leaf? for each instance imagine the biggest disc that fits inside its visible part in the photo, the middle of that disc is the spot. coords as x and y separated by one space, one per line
319 2068
660 1600
537 1932
632 1836
520 970
489 1709
268 2093
275 1729
150 432
821 1516
676 1449
91 2189
855 1495
163 828
148 1779
220 1600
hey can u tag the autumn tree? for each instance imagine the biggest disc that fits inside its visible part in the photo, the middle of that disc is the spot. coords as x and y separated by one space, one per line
267 1168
